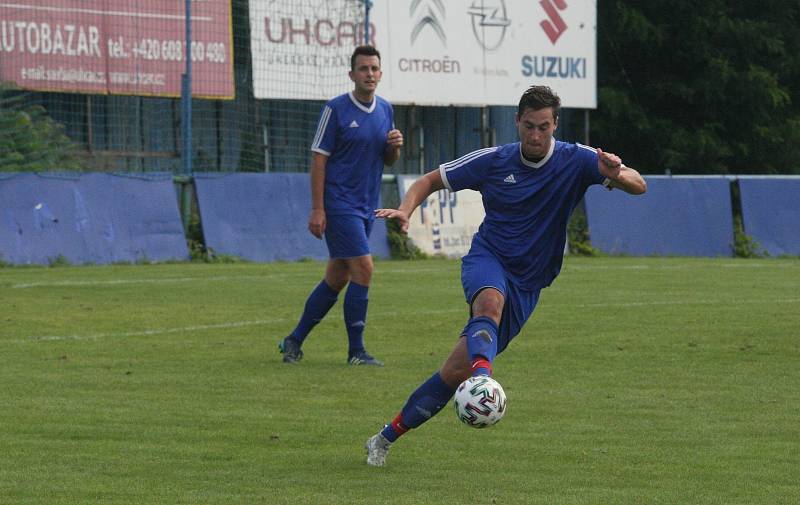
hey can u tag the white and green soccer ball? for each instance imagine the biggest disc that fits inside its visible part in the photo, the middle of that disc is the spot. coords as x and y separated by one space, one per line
480 402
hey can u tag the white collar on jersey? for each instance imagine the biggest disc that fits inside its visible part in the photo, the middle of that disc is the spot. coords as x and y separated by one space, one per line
361 105
540 162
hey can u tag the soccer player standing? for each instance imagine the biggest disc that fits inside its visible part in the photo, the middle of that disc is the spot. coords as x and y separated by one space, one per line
529 190
355 137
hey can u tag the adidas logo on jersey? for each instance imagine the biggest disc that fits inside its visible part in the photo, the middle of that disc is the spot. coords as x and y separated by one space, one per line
510 179
354 124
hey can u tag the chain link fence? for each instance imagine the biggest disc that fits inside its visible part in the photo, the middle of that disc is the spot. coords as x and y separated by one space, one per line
54 116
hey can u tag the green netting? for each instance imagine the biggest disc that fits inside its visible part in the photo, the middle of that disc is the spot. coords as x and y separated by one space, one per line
125 128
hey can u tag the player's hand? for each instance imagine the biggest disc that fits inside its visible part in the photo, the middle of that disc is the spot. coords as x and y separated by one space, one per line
394 138
317 222
609 164
401 217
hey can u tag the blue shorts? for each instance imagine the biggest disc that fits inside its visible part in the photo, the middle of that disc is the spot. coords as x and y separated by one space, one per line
481 269
347 236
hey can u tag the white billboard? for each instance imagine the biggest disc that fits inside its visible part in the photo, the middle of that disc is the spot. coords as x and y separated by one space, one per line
434 52
301 49
486 52
445 222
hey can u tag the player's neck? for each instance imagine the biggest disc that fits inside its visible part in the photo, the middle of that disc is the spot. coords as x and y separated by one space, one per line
365 98
532 160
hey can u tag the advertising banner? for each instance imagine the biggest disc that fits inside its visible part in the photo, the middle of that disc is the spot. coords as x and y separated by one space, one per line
487 52
301 50
116 46
434 52
445 222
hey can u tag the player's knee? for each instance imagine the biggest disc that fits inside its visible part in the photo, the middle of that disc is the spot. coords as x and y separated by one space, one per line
489 303
366 269
361 270
337 273
336 283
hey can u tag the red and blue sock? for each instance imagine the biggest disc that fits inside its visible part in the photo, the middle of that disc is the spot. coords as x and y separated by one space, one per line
424 403
395 429
481 366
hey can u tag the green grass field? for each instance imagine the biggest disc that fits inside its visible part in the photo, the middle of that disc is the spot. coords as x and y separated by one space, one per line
637 381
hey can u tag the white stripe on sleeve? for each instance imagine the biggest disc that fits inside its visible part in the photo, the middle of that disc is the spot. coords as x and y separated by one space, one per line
443 173
321 127
450 165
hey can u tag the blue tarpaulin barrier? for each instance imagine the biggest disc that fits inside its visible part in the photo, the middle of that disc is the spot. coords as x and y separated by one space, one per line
264 217
89 218
771 213
678 216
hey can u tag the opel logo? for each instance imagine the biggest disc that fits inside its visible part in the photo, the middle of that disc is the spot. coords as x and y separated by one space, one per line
489 22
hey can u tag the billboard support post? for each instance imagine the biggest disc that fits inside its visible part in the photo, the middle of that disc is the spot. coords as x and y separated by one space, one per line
367 7
186 121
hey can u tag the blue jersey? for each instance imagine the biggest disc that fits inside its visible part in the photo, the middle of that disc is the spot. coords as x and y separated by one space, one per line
353 136
527 204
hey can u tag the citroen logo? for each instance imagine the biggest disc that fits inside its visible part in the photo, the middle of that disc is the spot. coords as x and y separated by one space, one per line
489 22
431 12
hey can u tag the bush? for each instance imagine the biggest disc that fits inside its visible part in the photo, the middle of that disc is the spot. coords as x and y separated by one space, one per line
198 252
30 140
578 235
400 245
745 246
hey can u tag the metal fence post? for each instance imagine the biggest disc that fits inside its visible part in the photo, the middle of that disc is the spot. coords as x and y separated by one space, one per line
186 121
367 7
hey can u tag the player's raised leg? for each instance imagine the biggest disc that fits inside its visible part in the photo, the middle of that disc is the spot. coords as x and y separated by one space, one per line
484 281
482 330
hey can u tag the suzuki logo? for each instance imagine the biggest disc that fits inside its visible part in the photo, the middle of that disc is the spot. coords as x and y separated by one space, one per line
428 18
554 26
489 23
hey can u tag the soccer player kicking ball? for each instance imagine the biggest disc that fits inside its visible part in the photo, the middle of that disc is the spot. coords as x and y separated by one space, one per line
529 190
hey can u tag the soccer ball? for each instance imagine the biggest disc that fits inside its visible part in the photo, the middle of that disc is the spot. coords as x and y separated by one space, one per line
480 401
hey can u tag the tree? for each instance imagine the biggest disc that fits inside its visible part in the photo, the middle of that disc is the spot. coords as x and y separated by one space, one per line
700 87
32 141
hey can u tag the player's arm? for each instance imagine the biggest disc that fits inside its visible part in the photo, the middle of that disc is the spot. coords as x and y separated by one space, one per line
394 141
620 176
317 219
416 194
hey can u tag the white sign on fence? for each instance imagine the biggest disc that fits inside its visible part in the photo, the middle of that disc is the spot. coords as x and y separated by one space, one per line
434 52
487 52
445 222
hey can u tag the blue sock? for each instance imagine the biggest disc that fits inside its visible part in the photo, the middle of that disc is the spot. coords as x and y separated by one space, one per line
318 304
481 333
355 316
423 404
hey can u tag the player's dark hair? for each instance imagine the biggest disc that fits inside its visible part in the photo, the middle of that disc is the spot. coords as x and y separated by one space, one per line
539 97
365 51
